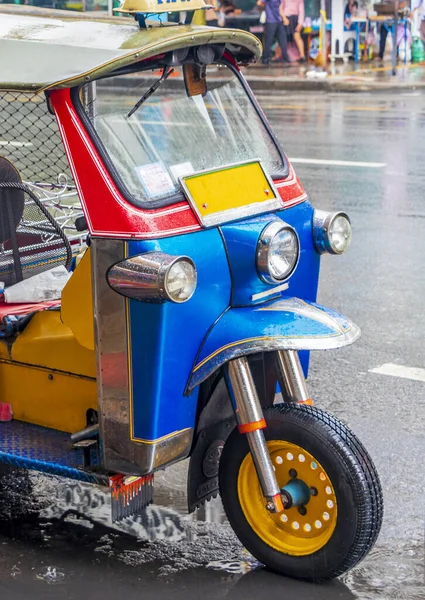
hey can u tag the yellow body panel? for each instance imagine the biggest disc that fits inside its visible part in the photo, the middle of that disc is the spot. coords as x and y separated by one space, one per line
4 352
46 398
244 184
49 374
50 379
77 303
47 342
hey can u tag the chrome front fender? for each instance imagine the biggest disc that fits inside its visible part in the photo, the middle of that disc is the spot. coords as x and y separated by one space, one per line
284 324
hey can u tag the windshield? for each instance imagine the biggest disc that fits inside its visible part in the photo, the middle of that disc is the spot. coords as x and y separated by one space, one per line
172 134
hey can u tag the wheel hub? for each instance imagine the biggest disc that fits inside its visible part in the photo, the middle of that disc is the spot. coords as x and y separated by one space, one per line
295 493
309 518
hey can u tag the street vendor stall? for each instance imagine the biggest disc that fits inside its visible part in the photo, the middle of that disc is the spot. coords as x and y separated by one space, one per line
385 17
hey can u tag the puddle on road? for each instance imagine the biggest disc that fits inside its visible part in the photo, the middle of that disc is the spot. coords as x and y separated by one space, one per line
395 572
174 543
51 575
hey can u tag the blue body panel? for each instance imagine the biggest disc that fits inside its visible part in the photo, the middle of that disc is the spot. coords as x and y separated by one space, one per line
289 323
241 243
165 338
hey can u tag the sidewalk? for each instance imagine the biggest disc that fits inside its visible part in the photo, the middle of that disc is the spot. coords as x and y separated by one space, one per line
339 77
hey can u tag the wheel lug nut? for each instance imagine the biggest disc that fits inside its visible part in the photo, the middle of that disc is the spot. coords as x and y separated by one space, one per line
313 491
292 473
302 510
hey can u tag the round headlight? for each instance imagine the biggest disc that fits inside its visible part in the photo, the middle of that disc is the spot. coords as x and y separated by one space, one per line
180 280
154 277
340 234
278 251
331 232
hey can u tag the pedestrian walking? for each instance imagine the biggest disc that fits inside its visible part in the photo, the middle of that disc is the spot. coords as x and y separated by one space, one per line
294 12
383 33
384 29
274 28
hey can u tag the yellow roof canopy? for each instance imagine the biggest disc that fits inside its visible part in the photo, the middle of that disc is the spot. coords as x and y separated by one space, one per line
44 49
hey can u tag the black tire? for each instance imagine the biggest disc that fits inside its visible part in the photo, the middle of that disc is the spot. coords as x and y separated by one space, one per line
352 474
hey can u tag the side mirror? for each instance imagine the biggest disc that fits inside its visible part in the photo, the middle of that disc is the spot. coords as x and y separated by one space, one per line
195 79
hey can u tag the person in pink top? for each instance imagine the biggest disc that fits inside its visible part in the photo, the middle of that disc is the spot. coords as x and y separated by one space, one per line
294 22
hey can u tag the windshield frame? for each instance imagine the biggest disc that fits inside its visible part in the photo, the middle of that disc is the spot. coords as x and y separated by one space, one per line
178 196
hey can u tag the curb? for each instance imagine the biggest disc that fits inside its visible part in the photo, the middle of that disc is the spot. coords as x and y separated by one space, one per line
288 84
327 85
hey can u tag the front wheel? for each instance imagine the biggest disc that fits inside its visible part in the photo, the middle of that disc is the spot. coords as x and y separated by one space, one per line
337 499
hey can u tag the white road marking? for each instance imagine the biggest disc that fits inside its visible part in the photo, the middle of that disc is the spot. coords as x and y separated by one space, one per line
337 163
399 371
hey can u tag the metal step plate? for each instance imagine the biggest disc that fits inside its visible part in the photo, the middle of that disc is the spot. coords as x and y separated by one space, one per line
46 450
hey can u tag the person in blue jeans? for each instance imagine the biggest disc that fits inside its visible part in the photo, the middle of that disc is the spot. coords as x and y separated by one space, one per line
274 28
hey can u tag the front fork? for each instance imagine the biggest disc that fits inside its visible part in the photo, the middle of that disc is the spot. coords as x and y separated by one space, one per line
250 418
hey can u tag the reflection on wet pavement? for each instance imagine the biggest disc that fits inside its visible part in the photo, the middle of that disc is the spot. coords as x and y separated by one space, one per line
83 557
68 525
390 572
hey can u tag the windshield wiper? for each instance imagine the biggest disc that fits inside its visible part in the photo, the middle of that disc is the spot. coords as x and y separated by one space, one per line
165 74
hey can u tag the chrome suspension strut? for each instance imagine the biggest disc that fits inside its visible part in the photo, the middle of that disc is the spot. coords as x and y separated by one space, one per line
251 422
291 376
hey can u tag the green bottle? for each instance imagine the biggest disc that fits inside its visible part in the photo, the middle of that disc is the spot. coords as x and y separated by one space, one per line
418 50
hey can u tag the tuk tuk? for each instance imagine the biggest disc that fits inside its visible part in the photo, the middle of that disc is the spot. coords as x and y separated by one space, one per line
137 163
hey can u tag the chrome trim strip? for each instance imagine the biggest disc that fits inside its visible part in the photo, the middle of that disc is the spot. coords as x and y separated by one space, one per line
270 344
164 451
120 453
235 214
274 290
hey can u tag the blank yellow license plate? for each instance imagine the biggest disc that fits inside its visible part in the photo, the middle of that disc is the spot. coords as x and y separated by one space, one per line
230 193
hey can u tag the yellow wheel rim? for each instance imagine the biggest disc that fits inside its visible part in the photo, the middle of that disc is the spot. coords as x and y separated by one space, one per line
290 532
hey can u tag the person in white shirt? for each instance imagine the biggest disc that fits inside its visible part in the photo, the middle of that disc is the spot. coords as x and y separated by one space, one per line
418 15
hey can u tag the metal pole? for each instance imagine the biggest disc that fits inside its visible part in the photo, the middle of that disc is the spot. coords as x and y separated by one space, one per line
323 31
395 23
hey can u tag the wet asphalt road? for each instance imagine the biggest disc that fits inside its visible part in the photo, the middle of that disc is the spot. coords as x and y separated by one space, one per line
380 284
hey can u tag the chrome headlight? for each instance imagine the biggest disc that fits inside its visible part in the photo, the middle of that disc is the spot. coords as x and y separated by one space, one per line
154 277
278 251
331 232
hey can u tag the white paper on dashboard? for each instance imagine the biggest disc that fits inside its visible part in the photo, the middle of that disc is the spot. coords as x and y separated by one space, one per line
155 179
